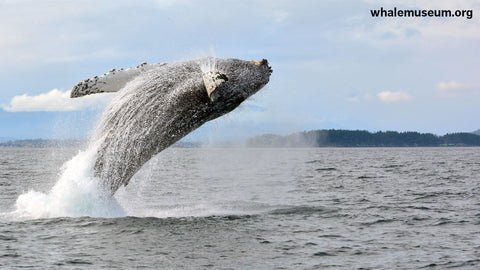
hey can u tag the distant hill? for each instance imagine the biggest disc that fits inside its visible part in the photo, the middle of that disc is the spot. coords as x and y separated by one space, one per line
71 143
314 138
363 138
42 143
5 139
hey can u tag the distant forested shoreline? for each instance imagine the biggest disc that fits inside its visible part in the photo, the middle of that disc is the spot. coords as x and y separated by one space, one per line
314 138
363 138
43 143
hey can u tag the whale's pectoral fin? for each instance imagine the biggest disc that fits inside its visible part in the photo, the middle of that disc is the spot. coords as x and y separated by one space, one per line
213 79
111 81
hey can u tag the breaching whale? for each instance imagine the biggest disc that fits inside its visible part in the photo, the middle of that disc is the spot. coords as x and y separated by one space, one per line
158 104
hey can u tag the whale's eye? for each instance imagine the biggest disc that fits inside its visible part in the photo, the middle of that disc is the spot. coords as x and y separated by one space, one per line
222 76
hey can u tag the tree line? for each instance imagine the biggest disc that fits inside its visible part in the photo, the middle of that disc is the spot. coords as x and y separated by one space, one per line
363 138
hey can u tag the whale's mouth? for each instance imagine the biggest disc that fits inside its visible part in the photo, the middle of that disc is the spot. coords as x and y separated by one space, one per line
263 62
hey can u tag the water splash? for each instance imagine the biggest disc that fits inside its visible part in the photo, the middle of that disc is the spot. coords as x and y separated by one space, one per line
75 194
149 114
209 64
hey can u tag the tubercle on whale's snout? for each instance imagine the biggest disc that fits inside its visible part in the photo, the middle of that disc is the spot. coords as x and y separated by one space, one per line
263 62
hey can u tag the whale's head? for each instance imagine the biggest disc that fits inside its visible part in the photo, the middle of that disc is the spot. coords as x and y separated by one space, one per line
231 81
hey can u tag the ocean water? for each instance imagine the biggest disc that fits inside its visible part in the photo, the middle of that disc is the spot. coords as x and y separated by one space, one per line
245 208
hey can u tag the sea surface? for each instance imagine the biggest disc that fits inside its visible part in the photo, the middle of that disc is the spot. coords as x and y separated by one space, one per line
245 208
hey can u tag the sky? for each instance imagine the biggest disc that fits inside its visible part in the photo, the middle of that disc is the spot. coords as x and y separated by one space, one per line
334 65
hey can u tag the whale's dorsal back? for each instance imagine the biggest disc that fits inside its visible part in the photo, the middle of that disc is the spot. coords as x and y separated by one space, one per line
111 81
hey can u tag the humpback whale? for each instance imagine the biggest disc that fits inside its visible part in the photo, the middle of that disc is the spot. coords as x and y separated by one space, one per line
158 104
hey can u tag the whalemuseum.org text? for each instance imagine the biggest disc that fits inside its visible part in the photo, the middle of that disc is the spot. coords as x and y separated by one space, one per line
468 13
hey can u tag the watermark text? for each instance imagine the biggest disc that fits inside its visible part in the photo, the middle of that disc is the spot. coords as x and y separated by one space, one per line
395 12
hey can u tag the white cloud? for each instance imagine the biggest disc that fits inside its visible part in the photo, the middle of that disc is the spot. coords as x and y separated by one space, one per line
59 31
364 97
280 15
55 100
454 86
353 99
414 31
388 96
